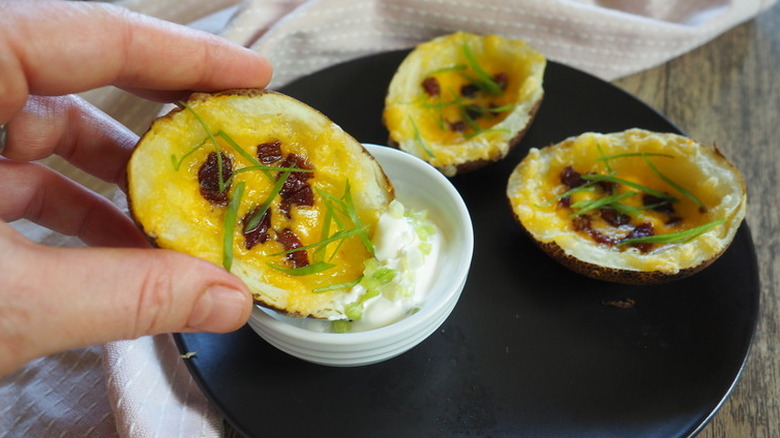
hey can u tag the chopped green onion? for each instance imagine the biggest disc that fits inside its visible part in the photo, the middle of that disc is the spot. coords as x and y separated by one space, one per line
678 237
270 168
336 236
238 148
354 311
632 154
384 275
501 109
313 268
626 209
338 286
340 226
585 206
483 131
640 187
340 326
589 186
677 187
222 183
468 119
457 67
177 163
229 225
486 81
439 104
254 221
353 216
418 138
603 158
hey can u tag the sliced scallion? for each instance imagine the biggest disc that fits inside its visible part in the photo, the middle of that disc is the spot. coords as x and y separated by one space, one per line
339 286
678 237
457 67
254 221
632 154
485 82
640 187
333 238
220 170
418 138
676 186
313 268
582 207
178 162
229 225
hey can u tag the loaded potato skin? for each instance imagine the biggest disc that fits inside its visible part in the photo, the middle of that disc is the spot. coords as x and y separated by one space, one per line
264 185
634 207
462 101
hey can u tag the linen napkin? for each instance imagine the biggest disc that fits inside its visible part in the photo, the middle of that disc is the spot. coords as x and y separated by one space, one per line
141 388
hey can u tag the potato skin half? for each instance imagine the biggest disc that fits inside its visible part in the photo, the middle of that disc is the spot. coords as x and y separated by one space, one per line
614 275
167 203
454 122
534 184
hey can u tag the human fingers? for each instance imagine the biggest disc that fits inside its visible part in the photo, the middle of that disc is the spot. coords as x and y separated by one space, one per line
35 192
57 47
54 299
73 129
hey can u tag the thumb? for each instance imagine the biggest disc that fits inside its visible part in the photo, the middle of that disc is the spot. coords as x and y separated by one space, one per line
54 299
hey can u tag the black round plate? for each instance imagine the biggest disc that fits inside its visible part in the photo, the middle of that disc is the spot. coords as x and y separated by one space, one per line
531 350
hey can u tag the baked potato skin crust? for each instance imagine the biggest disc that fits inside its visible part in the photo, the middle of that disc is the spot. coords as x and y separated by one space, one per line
375 186
716 162
525 69
472 165
612 275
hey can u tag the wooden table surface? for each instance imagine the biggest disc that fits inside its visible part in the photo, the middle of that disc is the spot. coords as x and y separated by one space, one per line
726 92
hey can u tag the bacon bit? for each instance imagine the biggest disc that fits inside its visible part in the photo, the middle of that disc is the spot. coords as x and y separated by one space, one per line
571 178
661 205
606 186
564 202
296 189
474 112
642 230
269 153
582 223
260 233
289 241
469 90
674 221
492 106
628 303
614 218
431 86
459 126
502 79
208 178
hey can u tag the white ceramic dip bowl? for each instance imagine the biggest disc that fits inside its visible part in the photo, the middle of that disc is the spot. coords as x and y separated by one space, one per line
418 186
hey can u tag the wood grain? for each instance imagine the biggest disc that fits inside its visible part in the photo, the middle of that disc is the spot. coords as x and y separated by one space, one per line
727 93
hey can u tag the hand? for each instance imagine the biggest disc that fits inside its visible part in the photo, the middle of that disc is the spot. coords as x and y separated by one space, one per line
53 299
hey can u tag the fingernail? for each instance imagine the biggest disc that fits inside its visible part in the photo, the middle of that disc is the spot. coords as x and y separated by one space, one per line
220 309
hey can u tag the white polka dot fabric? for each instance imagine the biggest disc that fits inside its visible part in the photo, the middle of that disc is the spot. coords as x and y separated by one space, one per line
607 38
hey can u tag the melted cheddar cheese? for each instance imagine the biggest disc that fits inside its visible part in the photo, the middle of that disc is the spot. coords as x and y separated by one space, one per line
421 123
176 216
535 187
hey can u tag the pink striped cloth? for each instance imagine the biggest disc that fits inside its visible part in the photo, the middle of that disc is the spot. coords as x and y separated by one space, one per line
141 388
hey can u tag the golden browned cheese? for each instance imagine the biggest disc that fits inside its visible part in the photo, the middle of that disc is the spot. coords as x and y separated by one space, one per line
168 200
461 101
702 200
